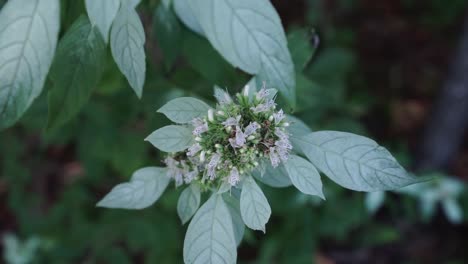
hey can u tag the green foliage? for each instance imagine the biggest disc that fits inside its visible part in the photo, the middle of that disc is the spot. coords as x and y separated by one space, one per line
304 176
103 20
171 138
188 203
182 110
254 207
80 56
28 37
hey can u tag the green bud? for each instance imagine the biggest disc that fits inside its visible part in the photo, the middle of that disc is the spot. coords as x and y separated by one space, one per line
198 139
252 137
218 146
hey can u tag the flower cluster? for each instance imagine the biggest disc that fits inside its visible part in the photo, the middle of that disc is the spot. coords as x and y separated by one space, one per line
232 140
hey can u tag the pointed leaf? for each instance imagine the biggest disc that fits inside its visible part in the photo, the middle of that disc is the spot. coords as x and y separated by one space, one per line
102 14
210 236
250 36
452 210
304 176
188 203
28 37
171 138
374 201
75 72
144 189
127 44
233 205
355 162
254 206
182 110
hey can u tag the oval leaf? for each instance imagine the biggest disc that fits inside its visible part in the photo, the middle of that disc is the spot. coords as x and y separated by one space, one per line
233 205
102 14
184 109
210 236
127 45
355 162
255 210
188 203
171 138
28 37
304 176
76 70
274 177
144 189
250 36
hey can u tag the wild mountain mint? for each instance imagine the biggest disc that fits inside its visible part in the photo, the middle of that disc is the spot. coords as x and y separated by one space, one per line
231 140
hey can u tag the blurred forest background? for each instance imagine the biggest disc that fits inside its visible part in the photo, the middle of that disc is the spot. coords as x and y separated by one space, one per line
380 68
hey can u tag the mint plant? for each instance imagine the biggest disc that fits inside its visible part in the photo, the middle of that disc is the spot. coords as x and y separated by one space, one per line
219 150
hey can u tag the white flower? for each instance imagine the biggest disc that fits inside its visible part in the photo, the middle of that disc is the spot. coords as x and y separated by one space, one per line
200 126
194 149
222 97
246 90
234 177
281 134
251 128
263 93
239 140
215 159
279 116
189 176
231 121
274 158
263 107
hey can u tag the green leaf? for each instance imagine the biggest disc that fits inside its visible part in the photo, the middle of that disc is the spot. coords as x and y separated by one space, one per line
188 203
186 14
210 235
233 205
102 14
75 72
304 176
133 3
452 210
355 162
274 177
168 32
127 44
250 36
302 50
182 110
28 38
255 210
171 138
297 129
144 189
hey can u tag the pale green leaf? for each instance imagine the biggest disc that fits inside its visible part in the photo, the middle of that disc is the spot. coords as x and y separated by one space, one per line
254 207
182 110
188 203
127 44
250 36
185 13
144 189
355 162
28 38
210 236
75 72
102 14
233 205
452 210
304 176
274 177
171 138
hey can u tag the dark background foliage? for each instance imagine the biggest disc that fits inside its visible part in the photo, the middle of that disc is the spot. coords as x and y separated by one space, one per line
378 70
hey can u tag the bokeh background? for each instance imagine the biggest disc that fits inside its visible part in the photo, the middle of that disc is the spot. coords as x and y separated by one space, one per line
393 70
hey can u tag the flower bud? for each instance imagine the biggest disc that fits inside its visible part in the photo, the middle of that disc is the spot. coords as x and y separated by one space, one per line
218 146
255 163
242 150
221 113
228 129
209 152
211 115
202 156
198 139
270 118
246 90
285 124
